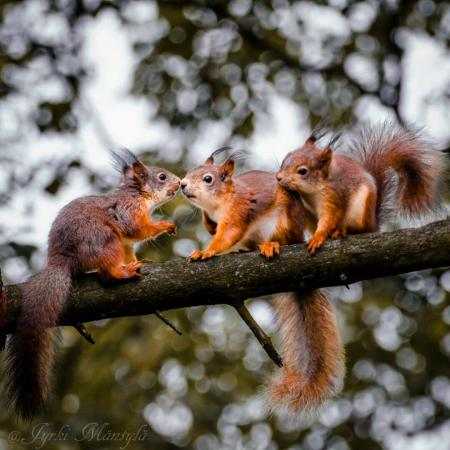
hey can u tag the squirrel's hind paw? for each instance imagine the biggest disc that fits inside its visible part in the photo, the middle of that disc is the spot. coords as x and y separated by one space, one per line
132 269
338 233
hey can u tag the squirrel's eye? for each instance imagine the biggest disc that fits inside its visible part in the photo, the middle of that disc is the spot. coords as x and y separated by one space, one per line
162 176
208 179
302 171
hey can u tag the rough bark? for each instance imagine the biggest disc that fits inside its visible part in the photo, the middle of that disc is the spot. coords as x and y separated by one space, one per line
235 277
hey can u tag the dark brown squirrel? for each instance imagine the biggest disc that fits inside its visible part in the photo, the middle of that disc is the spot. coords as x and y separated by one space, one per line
388 169
250 211
90 233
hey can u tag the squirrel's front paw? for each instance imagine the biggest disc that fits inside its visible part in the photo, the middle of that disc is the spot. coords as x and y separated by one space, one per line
171 228
269 249
200 255
316 242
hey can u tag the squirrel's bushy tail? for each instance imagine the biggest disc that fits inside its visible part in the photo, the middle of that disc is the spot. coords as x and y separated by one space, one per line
313 355
388 148
30 350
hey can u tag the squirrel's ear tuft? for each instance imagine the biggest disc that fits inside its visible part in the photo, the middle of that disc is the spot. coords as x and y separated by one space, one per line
210 159
316 135
131 168
334 141
319 131
227 169
325 157
123 159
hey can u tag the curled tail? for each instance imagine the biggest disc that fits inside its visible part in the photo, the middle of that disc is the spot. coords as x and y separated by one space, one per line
312 351
30 351
388 148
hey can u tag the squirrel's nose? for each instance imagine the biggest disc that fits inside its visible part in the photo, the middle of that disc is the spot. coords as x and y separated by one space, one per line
183 185
279 176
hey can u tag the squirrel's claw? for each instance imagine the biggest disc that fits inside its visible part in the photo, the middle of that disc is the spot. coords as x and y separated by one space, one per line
195 255
133 268
207 255
315 243
200 255
171 229
269 249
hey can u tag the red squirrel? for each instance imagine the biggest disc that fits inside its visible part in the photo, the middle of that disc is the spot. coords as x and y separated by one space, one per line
90 233
250 211
388 168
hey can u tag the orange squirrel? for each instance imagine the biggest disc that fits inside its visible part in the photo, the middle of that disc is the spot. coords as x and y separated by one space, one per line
250 211
90 233
389 168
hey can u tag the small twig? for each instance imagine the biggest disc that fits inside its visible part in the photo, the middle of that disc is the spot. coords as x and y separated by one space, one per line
84 333
259 333
168 323
2 314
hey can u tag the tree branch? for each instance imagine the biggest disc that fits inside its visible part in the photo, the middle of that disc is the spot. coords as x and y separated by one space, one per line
260 335
232 278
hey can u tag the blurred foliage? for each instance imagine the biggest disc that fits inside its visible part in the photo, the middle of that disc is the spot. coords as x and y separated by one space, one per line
206 60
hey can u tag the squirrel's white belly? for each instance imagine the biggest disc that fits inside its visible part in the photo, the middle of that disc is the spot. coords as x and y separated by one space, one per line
357 207
215 215
261 230
311 203
266 226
